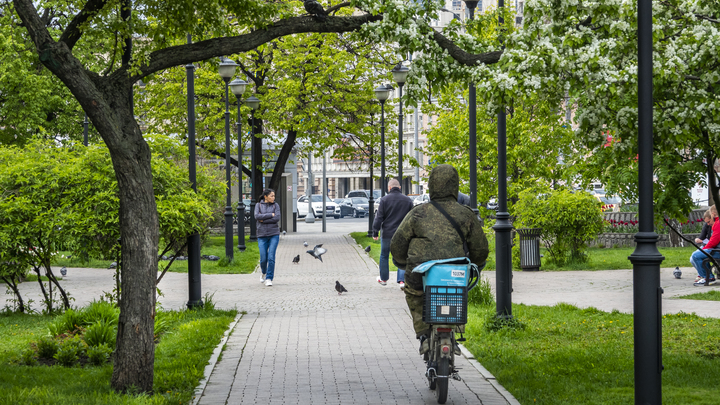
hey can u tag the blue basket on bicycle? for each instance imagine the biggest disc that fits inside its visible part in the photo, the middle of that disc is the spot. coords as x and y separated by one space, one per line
446 287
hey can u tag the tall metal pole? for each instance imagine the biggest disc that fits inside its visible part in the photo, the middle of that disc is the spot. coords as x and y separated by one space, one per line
503 251
309 218
383 187
229 254
472 118
371 200
241 204
417 154
253 181
646 259
85 130
194 270
400 138
324 190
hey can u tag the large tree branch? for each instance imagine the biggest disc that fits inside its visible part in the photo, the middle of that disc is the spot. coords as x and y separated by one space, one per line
466 58
184 54
72 32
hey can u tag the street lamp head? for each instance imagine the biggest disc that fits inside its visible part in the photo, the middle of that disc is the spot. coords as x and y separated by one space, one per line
227 69
252 102
400 73
237 87
471 3
382 92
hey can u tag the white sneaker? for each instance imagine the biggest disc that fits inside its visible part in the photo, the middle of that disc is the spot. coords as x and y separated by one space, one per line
382 282
268 283
262 278
700 282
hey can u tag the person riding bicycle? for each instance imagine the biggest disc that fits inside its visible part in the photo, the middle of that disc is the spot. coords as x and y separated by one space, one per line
426 234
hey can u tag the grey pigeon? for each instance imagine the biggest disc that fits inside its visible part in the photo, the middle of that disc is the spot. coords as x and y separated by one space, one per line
316 9
677 273
305 244
339 288
284 232
296 259
317 252
63 271
112 265
367 249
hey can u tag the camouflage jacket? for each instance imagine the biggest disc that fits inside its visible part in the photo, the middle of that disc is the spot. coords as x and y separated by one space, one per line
426 234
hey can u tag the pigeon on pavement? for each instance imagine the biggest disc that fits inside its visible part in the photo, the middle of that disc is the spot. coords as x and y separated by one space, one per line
112 265
296 259
339 288
367 249
677 273
317 252
305 244
63 271
316 9
284 232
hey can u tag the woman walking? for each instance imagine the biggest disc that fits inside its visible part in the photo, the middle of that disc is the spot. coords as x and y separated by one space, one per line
267 215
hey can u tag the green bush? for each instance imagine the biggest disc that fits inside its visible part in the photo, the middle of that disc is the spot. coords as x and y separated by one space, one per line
568 220
99 355
47 347
69 322
70 351
27 357
482 293
100 333
101 311
162 324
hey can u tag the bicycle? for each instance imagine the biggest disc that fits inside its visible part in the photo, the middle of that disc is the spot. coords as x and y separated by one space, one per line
446 284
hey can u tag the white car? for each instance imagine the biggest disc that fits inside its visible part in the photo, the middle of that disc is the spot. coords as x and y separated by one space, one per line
330 207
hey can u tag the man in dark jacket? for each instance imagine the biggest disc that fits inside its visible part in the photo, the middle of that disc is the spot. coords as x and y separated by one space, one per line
426 234
391 211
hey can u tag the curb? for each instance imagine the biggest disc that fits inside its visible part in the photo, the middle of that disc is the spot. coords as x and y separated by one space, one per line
200 389
488 376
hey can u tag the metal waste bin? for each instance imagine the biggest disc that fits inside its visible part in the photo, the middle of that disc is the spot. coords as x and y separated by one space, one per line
530 248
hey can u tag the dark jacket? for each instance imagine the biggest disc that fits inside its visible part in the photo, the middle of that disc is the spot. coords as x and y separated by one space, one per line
269 225
706 231
426 234
391 211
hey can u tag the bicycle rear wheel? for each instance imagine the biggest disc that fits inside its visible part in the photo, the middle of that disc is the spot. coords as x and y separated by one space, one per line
442 379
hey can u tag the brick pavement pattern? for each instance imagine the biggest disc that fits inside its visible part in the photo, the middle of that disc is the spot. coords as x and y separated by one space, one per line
301 342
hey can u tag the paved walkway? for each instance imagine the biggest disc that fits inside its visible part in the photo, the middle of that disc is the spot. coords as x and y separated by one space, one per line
302 343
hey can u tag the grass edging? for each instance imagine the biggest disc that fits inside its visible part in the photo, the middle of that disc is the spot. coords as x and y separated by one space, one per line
214 359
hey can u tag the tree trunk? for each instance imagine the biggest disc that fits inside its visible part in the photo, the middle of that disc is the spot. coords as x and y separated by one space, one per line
283 157
257 177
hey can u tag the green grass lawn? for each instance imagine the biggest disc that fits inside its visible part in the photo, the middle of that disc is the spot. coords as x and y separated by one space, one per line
180 359
598 258
567 355
243 263
713 295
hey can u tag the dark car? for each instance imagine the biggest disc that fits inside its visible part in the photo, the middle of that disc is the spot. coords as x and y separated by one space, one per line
359 205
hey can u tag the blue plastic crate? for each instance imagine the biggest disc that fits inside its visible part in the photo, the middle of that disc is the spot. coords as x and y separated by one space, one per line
447 275
445 305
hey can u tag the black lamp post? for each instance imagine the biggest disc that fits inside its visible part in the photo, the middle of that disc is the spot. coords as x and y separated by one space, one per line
371 200
503 251
238 88
252 102
382 93
194 269
400 73
472 117
226 71
646 259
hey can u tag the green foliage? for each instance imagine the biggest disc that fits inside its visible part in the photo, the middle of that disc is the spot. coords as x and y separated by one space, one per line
69 322
70 350
47 347
494 323
100 333
27 357
100 311
162 324
482 293
568 220
99 355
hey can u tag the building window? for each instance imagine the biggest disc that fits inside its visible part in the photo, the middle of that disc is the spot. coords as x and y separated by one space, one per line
456 4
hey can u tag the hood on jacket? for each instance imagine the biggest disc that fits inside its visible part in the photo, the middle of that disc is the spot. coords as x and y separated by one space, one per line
444 182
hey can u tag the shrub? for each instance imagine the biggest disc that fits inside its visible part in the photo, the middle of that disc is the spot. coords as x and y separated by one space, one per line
27 357
567 219
69 322
70 351
101 311
99 355
47 347
100 333
482 293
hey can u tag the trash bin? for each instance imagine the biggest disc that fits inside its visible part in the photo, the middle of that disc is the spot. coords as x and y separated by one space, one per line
529 248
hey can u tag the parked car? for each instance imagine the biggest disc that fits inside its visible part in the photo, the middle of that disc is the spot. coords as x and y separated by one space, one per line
419 198
356 206
492 204
364 193
330 206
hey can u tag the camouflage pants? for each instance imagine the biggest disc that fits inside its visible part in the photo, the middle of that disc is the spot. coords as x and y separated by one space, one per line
415 298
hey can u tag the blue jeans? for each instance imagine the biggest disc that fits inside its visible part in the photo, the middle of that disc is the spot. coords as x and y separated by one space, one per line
268 246
697 258
384 262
